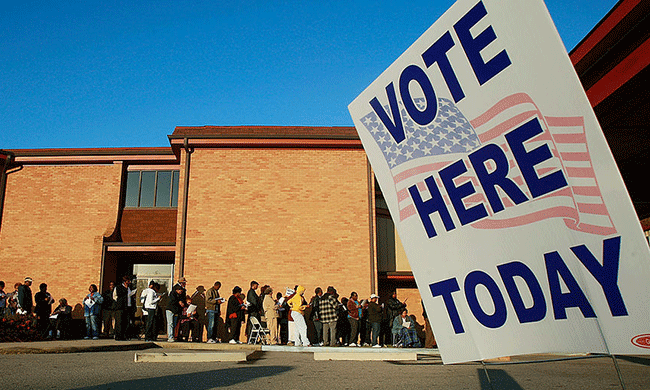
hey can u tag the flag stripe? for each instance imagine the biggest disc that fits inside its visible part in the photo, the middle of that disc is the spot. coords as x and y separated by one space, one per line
450 139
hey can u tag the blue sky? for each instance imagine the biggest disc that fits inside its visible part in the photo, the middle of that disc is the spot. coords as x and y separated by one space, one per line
124 73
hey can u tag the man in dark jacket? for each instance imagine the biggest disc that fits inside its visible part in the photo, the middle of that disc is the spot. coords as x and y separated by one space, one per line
108 309
255 305
315 315
393 308
175 305
25 299
121 295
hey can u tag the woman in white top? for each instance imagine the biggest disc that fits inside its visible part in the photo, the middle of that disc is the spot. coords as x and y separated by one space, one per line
150 299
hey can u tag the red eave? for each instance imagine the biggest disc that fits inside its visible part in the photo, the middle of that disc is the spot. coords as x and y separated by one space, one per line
634 63
606 25
265 132
264 137
93 155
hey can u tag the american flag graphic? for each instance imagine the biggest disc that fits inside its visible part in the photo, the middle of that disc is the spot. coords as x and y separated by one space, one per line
451 137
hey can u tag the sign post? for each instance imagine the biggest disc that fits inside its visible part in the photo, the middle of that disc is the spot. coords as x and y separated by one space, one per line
513 215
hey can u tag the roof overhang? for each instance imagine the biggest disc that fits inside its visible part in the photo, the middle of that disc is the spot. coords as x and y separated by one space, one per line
301 137
613 64
162 155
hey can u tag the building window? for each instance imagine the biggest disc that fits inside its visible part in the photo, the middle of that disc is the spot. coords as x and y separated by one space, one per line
152 189
386 261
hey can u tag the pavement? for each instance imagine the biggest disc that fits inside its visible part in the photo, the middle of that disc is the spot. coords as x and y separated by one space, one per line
293 368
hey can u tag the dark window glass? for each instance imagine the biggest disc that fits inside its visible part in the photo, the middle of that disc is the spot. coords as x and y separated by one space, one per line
132 188
151 189
175 188
163 188
147 188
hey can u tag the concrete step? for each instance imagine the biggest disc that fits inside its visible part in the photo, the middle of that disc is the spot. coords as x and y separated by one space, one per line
364 356
191 356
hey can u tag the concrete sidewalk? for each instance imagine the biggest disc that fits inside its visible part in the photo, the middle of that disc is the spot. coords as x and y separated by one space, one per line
104 345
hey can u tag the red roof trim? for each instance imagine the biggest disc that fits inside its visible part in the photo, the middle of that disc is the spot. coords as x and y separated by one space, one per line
165 150
606 25
265 132
268 143
620 74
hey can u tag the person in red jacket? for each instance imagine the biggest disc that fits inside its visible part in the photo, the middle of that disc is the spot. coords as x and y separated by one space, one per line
354 313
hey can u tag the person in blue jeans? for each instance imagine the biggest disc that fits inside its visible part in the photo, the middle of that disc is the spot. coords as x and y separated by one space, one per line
92 308
213 310
175 306
375 312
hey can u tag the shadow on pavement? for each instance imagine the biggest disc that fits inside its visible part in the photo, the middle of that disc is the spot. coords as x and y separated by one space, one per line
634 359
500 380
197 380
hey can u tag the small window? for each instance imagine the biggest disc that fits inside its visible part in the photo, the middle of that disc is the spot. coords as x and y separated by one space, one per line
151 189
147 188
132 189
175 175
164 189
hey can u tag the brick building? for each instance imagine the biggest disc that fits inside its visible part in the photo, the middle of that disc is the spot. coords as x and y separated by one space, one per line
280 205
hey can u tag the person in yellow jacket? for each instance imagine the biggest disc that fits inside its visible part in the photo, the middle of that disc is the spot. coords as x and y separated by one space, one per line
298 306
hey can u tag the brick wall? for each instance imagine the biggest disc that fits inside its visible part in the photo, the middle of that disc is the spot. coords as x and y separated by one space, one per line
148 225
278 216
53 225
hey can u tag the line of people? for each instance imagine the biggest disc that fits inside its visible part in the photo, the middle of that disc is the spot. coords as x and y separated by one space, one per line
344 322
50 323
336 321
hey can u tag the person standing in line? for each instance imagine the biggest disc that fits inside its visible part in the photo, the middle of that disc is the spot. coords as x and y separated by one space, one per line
254 305
108 310
364 324
25 299
374 318
131 308
175 306
291 325
429 338
343 324
213 311
270 314
354 311
150 298
92 308
12 300
235 314
3 299
43 308
121 296
298 306
328 316
283 318
315 315
393 309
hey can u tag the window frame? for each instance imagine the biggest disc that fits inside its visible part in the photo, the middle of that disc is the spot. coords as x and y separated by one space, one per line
173 188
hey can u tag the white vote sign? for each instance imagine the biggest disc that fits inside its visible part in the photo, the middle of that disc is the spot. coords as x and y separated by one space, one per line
515 220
